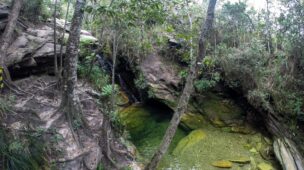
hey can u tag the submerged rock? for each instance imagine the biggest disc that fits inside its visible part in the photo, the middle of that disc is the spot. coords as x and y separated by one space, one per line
222 164
135 119
265 166
193 138
241 160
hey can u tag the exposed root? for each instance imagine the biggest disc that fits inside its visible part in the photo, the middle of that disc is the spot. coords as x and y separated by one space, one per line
81 154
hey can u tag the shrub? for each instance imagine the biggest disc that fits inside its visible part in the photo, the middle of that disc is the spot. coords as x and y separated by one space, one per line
37 10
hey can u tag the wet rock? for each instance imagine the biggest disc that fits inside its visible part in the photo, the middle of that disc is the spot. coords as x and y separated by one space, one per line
264 166
162 78
135 118
193 138
222 164
241 160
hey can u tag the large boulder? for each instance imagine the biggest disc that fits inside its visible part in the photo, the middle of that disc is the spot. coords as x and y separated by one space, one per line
162 78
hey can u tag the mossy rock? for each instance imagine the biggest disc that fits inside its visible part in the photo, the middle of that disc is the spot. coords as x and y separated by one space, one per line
87 39
221 112
192 121
242 129
265 166
122 98
135 118
222 164
187 142
84 39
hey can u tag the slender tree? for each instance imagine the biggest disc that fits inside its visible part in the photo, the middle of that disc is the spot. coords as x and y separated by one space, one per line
184 99
62 39
269 38
70 101
8 34
55 40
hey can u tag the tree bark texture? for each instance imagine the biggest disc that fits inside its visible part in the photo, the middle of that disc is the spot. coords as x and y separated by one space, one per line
184 99
8 34
70 100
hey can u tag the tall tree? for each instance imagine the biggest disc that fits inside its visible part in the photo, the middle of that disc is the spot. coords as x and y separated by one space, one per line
62 39
269 38
55 40
184 99
70 101
8 34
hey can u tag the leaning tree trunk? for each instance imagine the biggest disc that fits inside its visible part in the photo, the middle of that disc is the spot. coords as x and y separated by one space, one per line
8 34
184 99
70 101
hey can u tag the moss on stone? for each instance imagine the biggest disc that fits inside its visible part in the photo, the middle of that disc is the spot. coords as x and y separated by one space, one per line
186 143
135 119
265 166
221 111
122 98
222 164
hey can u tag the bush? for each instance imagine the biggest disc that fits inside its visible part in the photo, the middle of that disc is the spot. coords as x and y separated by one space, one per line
37 10
26 152
267 80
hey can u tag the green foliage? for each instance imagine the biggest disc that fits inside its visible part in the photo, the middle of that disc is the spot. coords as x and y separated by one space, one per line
100 167
107 90
204 84
140 82
87 69
37 10
151 93
183 74
5 105
28 152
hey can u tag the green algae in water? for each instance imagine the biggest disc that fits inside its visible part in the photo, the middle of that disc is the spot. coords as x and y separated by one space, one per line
147 125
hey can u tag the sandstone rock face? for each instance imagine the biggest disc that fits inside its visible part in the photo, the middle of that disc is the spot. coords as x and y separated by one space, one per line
162 78
35 46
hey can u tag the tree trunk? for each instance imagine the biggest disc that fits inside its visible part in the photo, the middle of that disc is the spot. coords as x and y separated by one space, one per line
55 40
62 39
70 101
184 99
113 71
8 34
269 39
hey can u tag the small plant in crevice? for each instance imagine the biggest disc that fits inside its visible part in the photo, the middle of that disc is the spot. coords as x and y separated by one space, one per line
140 82
107 90
183 74
100 166
151 93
